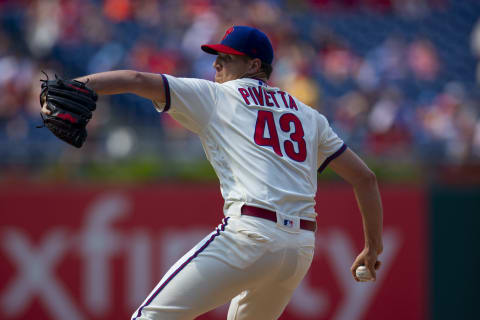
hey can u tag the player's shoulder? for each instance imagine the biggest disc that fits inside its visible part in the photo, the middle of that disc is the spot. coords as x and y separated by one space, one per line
318 115
192 87
171 78
310 111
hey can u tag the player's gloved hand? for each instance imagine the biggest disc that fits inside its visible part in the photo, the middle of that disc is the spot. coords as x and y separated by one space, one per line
367 258
45 110
67 107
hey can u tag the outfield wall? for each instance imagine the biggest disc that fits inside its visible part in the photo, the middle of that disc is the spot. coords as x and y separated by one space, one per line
94 252
455 254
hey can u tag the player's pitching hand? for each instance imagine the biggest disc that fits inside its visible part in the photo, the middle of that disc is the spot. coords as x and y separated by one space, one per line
367 258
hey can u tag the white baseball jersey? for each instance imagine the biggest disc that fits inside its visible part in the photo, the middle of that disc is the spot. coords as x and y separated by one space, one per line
263 143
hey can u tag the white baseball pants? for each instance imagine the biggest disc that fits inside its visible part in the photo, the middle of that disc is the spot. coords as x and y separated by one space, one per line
247 260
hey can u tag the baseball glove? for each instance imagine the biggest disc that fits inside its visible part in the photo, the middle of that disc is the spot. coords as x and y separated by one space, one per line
71 104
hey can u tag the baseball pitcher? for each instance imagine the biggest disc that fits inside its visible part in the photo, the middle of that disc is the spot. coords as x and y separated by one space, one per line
266 147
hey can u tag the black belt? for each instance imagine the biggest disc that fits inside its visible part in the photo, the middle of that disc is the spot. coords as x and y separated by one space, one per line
272 216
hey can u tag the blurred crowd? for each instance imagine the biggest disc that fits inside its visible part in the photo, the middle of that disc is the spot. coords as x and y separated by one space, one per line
396 78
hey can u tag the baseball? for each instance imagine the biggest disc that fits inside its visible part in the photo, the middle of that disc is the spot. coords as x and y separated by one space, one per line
363 274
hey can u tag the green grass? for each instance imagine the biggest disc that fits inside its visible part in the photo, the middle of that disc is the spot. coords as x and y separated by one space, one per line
152 168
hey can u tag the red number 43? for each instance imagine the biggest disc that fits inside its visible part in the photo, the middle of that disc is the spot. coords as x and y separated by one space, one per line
265 120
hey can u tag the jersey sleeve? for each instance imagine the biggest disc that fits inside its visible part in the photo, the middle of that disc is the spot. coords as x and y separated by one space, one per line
330 145
189 101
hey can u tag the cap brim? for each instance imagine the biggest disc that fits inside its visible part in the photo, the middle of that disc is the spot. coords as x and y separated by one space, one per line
216 48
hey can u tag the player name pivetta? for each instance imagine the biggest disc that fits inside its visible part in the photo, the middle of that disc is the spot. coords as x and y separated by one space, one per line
261 97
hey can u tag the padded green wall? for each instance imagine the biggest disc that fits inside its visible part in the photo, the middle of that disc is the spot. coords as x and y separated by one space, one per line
455 249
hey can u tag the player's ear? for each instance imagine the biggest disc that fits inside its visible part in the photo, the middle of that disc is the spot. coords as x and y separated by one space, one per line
255 65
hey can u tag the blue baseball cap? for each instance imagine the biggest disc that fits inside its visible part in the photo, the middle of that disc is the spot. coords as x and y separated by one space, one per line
244 41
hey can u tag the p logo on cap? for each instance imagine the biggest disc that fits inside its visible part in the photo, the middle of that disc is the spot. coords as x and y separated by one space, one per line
227 33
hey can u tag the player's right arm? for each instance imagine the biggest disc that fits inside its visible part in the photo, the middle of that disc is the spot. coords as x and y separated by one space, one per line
351 168
147 85
333 152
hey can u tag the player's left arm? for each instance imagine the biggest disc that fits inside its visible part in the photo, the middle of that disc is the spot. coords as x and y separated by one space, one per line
144 84
364 182
147 85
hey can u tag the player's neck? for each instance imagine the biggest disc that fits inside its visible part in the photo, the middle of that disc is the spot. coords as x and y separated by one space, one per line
257 76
